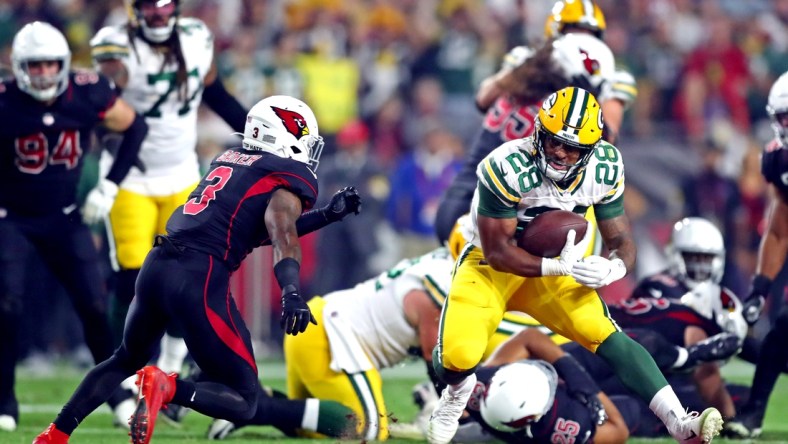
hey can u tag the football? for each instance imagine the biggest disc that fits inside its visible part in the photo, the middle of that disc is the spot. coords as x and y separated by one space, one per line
545 235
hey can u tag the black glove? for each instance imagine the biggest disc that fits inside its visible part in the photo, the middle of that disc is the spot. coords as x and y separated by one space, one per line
296 315
751 310
594 406
343 202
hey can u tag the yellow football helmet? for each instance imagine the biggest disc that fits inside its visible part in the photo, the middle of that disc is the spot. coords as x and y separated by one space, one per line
584 14
572 117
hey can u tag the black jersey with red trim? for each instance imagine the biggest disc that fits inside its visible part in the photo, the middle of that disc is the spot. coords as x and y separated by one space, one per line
656 305
41 147
224 215
568 420
774 166
505 121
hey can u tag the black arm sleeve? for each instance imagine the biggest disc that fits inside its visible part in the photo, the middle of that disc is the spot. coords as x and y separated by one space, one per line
225 105
576 377
308 222
128 150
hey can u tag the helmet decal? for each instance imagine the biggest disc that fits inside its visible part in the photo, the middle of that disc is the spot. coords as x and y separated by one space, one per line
548 104
294 123
591 65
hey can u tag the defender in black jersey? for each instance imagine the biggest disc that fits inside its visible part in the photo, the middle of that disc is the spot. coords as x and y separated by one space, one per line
577 411
773 355
250 196
48 114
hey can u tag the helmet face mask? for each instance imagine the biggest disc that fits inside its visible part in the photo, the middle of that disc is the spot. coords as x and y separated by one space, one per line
570 117
284 126
777 109
34 45
156 18
697 252
518 395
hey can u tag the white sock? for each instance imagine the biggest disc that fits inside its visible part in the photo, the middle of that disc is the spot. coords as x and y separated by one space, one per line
311 413
130 384
173 352
682 359
666 405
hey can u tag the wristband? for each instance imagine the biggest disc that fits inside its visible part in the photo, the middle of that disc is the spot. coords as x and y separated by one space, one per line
761 285
553 267
286 272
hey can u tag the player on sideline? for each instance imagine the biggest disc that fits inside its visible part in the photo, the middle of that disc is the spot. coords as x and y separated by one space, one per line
48 114
164 64
250 196
564 165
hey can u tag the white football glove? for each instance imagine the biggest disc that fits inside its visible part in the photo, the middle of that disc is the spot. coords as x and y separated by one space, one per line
570 254
598 271
99 201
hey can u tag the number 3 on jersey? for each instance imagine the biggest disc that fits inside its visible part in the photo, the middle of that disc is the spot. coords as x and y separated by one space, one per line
197 204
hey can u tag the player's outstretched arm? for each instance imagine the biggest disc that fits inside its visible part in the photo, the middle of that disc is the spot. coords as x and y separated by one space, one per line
120 117
222 102
526 344
343 202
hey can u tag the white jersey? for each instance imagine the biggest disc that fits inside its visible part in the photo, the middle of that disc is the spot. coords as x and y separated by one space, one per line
168 151
618 84
373 310
511 185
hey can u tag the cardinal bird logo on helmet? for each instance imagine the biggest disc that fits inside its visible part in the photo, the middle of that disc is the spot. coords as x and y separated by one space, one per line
294 123
591 65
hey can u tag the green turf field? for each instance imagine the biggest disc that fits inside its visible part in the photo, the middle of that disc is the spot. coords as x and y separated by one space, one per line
42 397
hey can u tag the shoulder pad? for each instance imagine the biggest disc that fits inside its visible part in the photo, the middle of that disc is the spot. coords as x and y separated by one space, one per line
193 26
623 87
110 42
516 57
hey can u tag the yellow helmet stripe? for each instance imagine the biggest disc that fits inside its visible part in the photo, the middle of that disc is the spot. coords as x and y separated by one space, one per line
577 108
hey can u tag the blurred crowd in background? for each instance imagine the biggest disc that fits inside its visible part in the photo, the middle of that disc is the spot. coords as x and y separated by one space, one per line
392 85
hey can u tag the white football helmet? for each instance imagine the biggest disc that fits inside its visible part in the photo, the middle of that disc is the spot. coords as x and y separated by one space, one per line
776 106
40 41
284 126
518 395
587 62
696 251
156 34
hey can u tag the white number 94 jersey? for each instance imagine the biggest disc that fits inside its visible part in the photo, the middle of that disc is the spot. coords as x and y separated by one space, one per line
171 115
370 316
511 185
